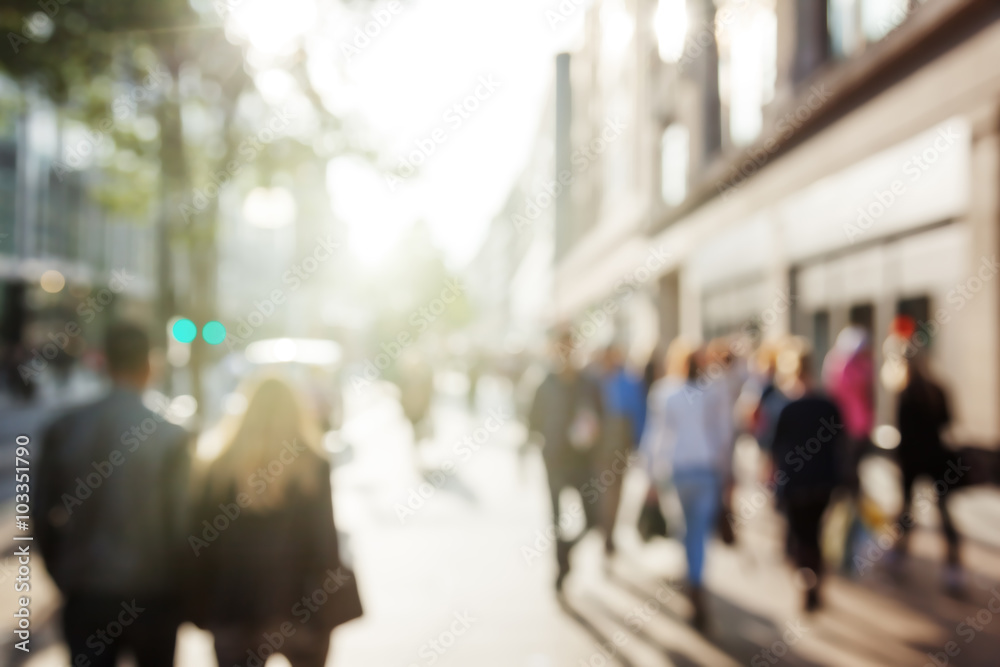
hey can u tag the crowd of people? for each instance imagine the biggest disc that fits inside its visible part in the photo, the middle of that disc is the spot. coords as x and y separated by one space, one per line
681 415
244 546
244 543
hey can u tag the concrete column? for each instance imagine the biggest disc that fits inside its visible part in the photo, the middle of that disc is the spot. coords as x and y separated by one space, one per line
977 400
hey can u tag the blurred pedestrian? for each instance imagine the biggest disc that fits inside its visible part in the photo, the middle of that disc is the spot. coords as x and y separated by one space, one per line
653 370
624 401
765 395
726 374
110 514
416 389
807 449
923 415
767 399
566 412
686 446
476 368
848 375
273 570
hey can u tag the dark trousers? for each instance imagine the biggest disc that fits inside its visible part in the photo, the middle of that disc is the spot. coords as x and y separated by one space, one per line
804 510
610 464
572 469
910 475
102 627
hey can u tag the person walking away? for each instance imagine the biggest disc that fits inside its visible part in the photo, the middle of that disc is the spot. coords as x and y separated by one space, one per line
416 389
727 373
848 375
923 415
686 443
566 412
274 573
110 514
624 401
807 448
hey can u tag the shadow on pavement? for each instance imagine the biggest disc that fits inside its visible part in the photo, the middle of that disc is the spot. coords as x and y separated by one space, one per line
595 632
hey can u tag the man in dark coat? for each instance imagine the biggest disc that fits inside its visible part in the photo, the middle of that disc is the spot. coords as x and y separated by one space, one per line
566 413
110 515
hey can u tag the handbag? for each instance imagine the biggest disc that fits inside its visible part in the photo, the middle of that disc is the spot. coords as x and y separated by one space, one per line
652 523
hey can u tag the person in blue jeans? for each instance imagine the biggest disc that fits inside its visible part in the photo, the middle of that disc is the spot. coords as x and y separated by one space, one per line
686 445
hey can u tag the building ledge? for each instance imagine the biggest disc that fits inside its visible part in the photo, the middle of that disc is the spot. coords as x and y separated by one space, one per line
843 86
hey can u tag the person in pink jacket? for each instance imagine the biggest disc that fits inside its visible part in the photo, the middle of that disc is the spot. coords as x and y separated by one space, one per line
848 377
848 374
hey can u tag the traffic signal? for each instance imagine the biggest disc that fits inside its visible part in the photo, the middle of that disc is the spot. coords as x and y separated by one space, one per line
185 331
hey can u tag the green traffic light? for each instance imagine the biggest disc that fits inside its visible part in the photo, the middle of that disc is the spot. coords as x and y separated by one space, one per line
185 330
213 332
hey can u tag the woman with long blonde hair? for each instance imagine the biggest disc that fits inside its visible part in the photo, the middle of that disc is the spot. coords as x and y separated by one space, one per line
268 572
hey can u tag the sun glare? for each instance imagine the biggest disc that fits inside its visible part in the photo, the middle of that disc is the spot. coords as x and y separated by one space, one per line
671 29
272 26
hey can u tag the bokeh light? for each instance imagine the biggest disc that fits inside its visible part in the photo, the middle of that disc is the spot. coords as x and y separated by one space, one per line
184 330
52 281
213 332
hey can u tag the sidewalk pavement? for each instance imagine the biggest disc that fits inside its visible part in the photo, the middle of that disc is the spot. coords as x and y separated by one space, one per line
446 563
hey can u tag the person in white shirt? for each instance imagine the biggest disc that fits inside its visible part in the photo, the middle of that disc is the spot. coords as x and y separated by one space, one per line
686 445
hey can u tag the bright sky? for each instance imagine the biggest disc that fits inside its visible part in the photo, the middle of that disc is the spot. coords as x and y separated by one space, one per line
398 89
431 56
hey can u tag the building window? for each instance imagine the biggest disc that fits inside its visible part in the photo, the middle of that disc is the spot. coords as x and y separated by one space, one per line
674 158
853 23
880 17
670 24
748 69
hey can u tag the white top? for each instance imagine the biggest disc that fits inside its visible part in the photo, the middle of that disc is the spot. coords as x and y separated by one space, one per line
688 427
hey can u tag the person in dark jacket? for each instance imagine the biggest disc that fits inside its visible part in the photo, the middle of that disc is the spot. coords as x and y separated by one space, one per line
269 578
807 449
624 401
923 414
110 515
566 413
